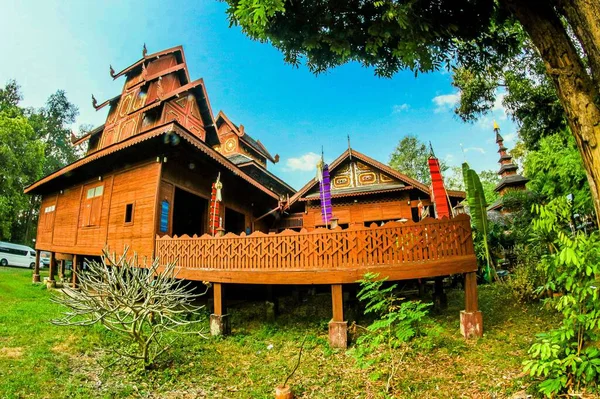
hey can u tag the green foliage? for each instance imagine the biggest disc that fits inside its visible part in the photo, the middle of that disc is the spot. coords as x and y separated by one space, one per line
411 158
396 323
568 357
520 83
478 212
26 131
556 169
527 275
387 35
21 162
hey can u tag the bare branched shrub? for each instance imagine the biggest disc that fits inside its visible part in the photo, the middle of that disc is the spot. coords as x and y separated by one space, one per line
142 304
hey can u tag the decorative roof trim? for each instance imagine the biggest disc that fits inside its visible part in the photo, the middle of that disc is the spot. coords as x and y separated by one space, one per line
368 160
151 56
170 127
357 193
246 138
88 135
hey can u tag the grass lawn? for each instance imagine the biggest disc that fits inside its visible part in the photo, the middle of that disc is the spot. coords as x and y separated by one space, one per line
40 360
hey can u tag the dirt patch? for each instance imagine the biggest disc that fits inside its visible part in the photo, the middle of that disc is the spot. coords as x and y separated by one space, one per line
65 345
11 353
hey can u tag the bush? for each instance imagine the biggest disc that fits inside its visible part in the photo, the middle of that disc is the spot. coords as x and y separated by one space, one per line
527 276
383 345
140 304
568 357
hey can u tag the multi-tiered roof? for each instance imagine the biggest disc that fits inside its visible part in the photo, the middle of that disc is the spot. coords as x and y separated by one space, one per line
158 98
510 179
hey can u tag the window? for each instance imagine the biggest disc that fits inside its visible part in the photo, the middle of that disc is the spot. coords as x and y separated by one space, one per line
48 219
129 214
92 206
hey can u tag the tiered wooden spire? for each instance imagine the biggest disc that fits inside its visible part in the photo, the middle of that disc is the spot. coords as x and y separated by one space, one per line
510 179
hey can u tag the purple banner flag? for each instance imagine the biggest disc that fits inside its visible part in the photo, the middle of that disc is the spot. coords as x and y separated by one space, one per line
325 191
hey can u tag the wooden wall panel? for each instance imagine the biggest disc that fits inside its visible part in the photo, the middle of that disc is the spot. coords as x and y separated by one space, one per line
138 187
160 64
67 214
92 239
45 221
360 213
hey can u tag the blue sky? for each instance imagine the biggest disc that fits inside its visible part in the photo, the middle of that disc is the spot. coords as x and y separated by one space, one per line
50 45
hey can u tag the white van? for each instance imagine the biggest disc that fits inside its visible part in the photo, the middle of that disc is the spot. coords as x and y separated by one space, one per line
16 255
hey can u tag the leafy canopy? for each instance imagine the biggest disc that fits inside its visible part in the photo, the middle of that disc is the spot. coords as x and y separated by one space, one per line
411 158
387 35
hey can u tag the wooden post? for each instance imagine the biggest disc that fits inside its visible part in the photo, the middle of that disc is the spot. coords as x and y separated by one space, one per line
338 328
52 271
440 300
471 320
61 270
75 267
36 268
219 321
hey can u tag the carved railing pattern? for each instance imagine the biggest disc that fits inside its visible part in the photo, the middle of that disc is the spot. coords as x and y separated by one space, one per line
394 243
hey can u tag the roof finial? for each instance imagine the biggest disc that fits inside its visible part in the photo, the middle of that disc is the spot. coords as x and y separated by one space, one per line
463 152
144 51
112 72
496 127
349 148
94 102
431 154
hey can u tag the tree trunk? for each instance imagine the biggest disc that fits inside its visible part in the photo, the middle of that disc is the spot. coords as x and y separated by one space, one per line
575 87
584 17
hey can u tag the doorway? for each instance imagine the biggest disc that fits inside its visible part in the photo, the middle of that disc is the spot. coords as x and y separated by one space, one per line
235 222
189 213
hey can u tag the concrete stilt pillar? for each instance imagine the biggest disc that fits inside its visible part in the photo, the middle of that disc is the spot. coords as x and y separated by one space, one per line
471 319
219 320
36 268
338 328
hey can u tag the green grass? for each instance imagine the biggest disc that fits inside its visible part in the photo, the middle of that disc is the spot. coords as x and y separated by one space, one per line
40 360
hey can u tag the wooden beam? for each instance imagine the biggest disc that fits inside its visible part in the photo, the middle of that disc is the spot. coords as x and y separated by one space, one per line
52 266
36 268
337 302
218 299
341 275
471 292
75 267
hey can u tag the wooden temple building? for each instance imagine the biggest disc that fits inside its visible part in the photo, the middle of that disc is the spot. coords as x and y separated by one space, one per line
147 182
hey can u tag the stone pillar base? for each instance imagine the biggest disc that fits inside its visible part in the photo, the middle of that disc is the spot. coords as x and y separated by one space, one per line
471 324
338 334
219 324
50 284
284 393
36 278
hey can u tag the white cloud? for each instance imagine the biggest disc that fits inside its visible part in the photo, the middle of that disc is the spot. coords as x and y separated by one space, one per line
305 163
446 102
396 109
510 137
478 149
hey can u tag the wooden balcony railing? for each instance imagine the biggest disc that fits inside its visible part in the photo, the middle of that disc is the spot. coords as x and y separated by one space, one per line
397 250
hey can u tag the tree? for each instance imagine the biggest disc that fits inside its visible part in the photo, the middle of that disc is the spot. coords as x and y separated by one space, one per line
411 158
520 83
140 304
21 161
489 180
556 170
424 35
